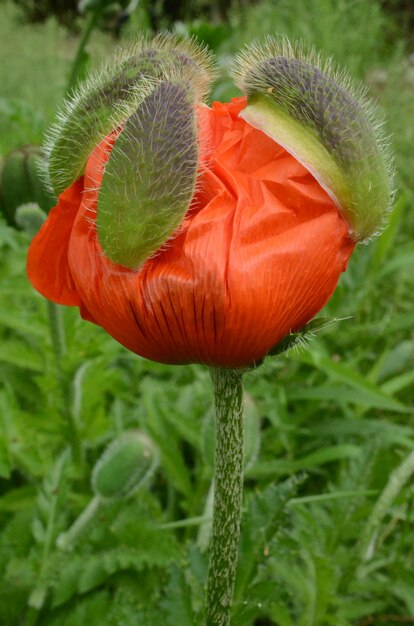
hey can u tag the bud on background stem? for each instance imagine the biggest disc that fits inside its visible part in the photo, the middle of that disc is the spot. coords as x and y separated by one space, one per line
30 217
125 467
21 182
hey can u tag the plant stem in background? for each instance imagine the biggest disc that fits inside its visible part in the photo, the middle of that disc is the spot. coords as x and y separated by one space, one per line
68 539
81 58
228 393
396 482
57 332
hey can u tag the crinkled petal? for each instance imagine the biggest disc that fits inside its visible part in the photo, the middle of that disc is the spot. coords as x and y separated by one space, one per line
258 255
47 261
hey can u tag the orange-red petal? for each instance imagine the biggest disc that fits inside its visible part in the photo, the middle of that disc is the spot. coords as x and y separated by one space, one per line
258 254
47 262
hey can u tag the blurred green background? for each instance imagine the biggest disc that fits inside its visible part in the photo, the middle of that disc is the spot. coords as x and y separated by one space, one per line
331 546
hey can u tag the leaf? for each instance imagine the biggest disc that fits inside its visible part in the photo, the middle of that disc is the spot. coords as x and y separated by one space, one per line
369 391
398 383
65 585
176 603
396 482
96 570
89 611
403 589
389 433
264 515
19 354
5 461
130 541
101 566
385 241
30 327
268 469
171 455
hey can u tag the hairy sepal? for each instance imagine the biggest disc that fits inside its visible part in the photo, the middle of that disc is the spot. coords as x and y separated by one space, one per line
330 126
107 99
150 176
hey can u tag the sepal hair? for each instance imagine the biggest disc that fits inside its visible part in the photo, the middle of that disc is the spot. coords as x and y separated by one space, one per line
150 177
350 154
107 98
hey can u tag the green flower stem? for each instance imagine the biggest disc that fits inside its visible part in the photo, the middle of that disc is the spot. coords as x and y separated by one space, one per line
67 540
79 61
228 393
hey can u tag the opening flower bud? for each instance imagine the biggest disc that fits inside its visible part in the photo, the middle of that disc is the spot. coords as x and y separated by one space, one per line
126 465
326 123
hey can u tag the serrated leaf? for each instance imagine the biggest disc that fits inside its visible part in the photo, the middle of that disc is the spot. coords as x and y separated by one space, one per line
65 584
176 603
19 354
353 379
22 326
20 499
260 523
94 572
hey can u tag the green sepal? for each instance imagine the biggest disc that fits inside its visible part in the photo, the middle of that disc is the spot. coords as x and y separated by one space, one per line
104 101
150 176
301 336
327 124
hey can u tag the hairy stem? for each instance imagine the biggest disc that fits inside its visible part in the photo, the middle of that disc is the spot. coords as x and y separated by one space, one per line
228 393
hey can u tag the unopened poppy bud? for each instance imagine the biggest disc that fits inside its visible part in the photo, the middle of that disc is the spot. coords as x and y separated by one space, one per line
20 182
125 466
326 123
30 217
105 101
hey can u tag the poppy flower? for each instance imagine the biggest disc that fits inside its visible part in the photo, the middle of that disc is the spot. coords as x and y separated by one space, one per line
255 256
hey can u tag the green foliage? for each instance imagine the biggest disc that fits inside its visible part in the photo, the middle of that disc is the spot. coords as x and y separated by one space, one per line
333 549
